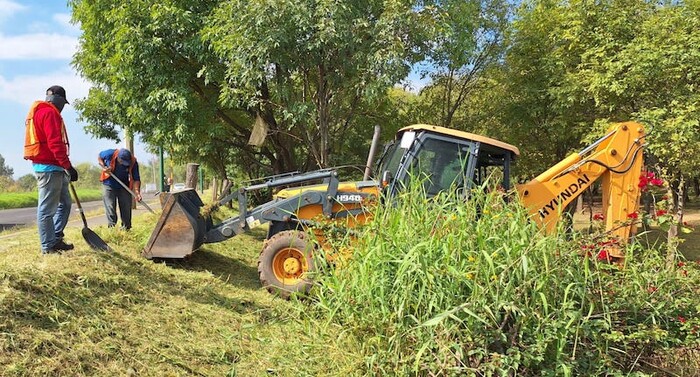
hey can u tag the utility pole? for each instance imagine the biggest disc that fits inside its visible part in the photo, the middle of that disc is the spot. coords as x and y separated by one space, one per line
129 141
162 170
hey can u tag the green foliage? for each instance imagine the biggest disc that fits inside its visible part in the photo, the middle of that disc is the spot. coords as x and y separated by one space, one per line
18 200
89 175
468 40
434 289
311 69
95 314
27 182
5 170
574 64
194 77
155 76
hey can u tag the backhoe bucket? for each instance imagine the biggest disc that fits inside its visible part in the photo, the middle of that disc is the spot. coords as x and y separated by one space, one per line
180 229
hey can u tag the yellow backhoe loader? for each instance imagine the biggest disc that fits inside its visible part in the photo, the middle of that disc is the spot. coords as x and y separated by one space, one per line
444 159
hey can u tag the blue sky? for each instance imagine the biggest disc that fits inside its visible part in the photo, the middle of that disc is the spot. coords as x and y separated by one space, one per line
37 42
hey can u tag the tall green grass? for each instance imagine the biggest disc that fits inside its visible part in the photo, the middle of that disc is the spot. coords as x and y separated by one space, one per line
11 200
448 287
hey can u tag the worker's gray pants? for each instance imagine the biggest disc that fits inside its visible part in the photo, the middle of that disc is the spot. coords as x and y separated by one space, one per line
111 197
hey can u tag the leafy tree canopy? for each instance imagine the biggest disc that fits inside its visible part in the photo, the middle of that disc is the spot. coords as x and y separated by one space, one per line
5 170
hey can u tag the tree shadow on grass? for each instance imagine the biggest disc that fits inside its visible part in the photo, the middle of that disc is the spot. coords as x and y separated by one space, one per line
227 269
123 283
227 262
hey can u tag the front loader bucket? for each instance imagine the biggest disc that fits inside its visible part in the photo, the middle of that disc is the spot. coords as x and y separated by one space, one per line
180 229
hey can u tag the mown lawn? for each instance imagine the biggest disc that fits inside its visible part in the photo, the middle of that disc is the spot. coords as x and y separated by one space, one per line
11 200
89 313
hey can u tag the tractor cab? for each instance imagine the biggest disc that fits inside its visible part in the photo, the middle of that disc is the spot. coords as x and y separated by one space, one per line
444 159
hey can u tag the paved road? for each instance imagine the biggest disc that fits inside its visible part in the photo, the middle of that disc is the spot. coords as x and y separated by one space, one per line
94 211
19 222
20 217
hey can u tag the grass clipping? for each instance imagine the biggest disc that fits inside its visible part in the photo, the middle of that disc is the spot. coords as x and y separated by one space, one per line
87 313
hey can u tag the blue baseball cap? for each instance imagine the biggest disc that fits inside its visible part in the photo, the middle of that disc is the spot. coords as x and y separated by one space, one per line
125 157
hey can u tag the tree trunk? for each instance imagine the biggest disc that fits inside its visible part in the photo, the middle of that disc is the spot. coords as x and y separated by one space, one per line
226 190
129 144
191 177
214 189
323 98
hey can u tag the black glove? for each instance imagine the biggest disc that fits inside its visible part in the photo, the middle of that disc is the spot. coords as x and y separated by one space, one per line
73 174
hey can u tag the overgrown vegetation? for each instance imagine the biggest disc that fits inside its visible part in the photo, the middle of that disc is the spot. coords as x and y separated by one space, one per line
431 290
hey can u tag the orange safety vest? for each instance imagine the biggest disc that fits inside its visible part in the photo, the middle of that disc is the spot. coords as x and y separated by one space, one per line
112 164
31 139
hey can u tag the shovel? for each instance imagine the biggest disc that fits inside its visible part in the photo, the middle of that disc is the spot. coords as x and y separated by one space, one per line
95 242
130 192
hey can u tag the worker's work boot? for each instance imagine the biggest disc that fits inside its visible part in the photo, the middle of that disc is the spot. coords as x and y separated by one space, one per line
62 246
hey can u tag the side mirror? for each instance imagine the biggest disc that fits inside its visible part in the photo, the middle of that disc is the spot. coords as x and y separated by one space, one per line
387 178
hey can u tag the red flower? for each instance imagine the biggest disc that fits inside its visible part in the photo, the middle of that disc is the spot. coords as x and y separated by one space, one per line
633 215
648 178
598 216
681 264
603 255
651 289
681 319
661 212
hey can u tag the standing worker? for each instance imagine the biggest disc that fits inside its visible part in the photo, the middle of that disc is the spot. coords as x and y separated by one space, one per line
121 164
46 145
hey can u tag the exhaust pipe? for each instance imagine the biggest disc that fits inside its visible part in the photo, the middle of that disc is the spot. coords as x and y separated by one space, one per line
372 152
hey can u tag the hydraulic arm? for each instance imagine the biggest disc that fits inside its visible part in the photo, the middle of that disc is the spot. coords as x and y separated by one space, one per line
615 160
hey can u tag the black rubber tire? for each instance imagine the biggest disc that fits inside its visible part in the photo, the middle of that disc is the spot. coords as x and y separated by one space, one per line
296 244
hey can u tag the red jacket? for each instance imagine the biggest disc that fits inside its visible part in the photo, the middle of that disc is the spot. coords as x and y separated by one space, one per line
50 133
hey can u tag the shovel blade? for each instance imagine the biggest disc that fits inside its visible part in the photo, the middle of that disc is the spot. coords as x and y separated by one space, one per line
95 242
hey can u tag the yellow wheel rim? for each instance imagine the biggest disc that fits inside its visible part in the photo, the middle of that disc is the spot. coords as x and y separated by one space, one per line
289 265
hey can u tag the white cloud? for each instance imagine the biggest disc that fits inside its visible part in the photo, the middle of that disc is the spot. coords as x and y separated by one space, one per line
63 20
9 8
37 46
27 89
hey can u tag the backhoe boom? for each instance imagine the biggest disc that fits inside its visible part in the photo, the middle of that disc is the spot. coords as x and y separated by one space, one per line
615 160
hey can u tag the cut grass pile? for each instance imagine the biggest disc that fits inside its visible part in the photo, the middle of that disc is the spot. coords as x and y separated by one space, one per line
88 313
